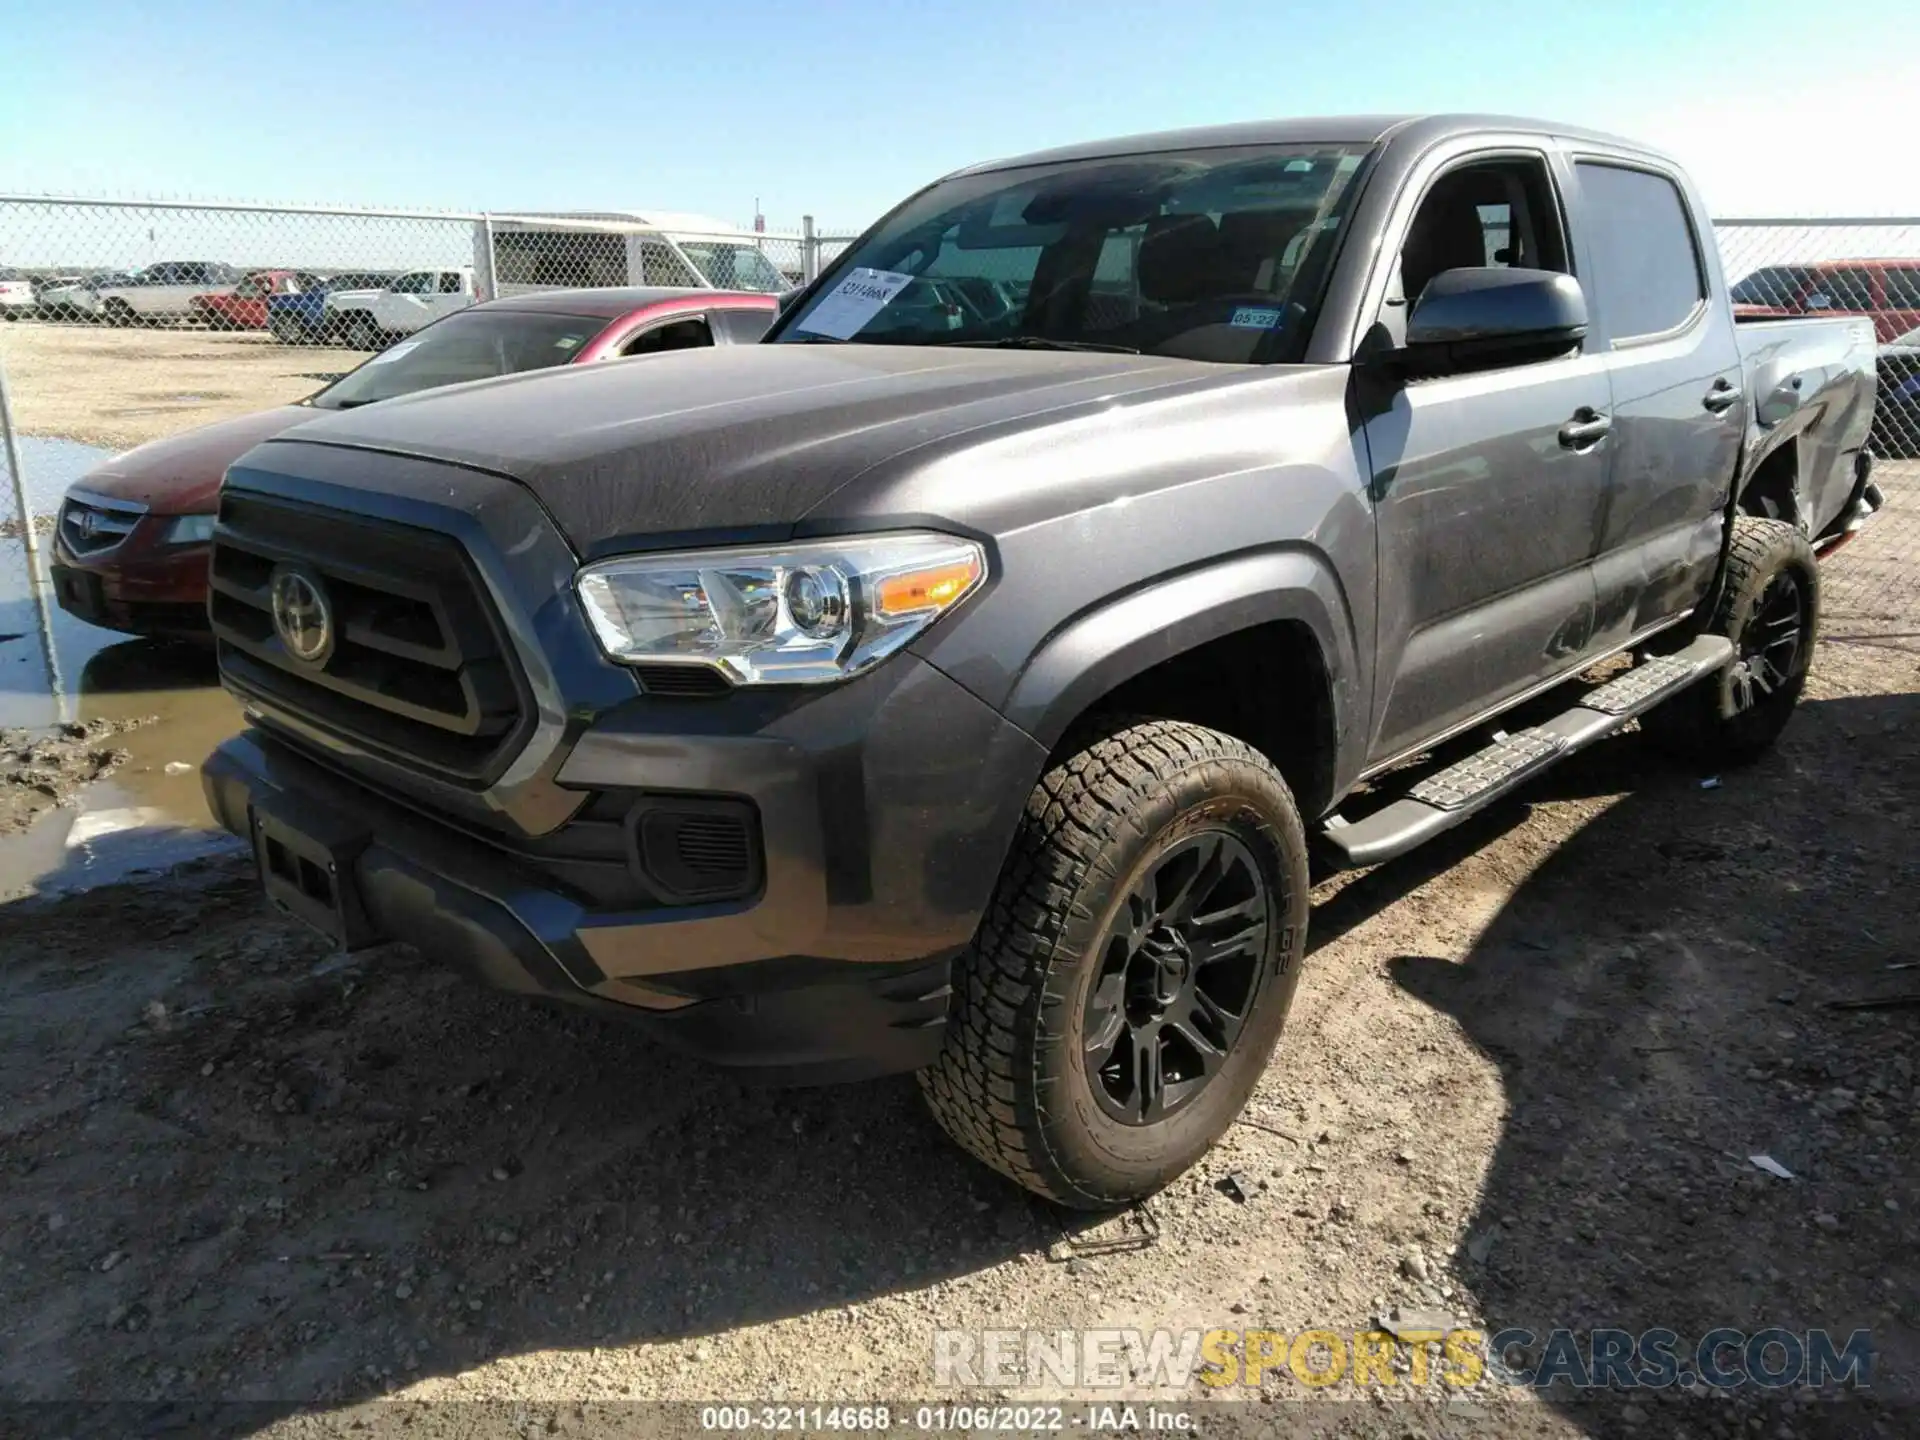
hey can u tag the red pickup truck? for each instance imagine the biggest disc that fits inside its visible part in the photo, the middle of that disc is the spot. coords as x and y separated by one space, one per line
245 306
1887 290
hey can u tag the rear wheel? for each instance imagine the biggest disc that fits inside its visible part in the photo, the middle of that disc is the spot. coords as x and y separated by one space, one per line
1770 608
1131 977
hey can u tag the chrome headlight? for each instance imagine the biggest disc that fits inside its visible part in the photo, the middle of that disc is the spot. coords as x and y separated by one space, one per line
802 614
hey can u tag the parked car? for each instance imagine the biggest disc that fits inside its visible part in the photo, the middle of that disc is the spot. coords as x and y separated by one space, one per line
1887 290
245 306
130 548
960 689
369 319
16 295
1896 416
164 292
303 317
77 297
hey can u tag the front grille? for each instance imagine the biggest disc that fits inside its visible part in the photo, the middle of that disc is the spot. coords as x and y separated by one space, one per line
93 527
684 681
420 669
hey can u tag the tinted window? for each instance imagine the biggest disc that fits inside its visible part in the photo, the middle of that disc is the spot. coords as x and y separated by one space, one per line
470 345
744 327
1647 272
674 335
1841 290
1773 285
420 282
449 282
1903 288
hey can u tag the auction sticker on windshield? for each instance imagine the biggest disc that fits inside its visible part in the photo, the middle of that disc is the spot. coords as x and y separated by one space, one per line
846 308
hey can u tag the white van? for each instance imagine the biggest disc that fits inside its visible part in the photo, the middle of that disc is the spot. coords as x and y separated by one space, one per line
593 248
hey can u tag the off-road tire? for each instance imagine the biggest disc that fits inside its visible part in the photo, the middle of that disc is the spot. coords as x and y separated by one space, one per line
1704 722
1010 1085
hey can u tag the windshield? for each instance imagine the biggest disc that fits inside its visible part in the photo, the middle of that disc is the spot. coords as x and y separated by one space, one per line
1216 255
472 345
734 267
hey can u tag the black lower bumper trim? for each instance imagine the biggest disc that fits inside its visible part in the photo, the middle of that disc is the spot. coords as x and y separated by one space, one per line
458 900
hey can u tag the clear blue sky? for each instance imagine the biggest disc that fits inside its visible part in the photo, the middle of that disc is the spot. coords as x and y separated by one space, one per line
837 108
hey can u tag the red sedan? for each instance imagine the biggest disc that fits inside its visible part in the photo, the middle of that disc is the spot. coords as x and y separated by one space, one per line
130 551
245 306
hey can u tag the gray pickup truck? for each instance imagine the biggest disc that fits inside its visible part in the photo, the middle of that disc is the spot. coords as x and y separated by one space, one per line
965 679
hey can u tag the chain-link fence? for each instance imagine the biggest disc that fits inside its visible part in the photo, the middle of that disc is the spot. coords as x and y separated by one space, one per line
1861 266
143 319
306 274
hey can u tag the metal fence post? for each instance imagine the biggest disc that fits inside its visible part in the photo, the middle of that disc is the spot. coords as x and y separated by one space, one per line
21 506
809 251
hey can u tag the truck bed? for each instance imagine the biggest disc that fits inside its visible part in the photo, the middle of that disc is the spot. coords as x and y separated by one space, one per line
1810 384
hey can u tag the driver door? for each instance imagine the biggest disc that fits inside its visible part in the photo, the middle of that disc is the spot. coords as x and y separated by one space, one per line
1486 515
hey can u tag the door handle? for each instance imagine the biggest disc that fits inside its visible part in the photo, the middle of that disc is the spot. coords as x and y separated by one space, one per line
1721 397
1587 428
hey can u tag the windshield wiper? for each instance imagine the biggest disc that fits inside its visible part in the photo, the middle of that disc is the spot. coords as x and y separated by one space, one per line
1041 342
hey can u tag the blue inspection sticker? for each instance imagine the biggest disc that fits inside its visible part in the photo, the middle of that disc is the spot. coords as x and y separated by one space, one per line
1253 317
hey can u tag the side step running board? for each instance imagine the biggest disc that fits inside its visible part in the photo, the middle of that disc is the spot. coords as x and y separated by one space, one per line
1443 800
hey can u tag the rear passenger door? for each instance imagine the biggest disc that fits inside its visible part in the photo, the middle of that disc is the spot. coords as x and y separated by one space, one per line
1678 411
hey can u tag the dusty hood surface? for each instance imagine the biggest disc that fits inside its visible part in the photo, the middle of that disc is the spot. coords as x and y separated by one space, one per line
180 475
750 436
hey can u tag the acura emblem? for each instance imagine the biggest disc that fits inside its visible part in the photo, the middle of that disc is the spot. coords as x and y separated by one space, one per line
302 616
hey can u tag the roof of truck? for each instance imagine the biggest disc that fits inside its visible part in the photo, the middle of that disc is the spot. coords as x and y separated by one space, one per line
1312 130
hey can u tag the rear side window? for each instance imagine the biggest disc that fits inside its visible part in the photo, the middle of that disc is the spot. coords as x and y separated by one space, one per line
1903 288
1646 266
1841 290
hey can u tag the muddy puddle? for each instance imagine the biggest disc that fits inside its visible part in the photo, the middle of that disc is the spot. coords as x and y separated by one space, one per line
60 679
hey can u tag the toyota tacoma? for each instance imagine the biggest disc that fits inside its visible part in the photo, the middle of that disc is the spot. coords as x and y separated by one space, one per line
964 679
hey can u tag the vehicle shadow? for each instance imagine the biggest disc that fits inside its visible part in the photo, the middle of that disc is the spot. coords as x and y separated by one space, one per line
304 1180
1656 996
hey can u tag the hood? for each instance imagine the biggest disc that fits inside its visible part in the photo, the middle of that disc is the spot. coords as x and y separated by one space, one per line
180 475
739 437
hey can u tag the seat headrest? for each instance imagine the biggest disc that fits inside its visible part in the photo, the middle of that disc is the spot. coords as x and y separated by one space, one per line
1176 260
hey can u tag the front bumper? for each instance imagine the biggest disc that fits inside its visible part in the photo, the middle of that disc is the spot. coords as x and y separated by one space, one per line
884 808
141 586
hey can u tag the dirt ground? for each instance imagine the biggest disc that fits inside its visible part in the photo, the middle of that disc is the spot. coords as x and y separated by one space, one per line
1524 1076
40 770
121 388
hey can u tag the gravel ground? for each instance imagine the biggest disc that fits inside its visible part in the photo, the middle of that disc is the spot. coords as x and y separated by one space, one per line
121 388
1523 1077
1525 1072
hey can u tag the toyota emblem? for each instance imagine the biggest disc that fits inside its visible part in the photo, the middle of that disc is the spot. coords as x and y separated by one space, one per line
302 616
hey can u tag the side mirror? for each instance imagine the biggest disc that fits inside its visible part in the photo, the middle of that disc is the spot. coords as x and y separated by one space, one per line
787 297
1494 314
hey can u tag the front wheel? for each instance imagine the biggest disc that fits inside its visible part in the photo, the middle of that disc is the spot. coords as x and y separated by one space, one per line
361 333
118 312
1134 969
1770 608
